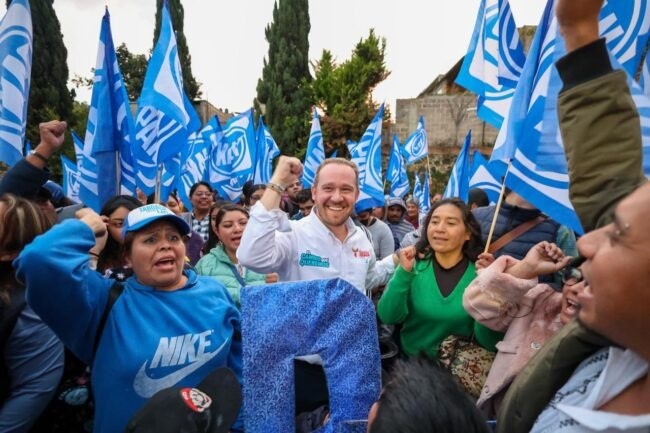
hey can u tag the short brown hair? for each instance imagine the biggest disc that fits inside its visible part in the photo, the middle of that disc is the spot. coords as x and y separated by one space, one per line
340 161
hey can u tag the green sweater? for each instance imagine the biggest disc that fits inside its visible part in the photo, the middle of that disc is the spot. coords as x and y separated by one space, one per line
217 264
414 300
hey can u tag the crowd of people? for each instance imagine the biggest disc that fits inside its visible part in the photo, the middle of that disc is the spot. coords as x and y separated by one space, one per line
149 296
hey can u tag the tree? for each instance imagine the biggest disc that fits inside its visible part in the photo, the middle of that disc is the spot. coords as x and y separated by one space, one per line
133 68
283 92
344 92
177 15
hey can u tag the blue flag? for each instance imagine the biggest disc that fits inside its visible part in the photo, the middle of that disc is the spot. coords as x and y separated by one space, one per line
424 201
166 117
109 132
396 172
28 147
70 182
531 139
367 155
416 145
493 62
15 74
458 184
233 160
197 162
482 176
78 148
315 154
267 149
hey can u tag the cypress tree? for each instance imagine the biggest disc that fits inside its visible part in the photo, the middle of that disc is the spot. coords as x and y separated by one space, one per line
177 15
283 92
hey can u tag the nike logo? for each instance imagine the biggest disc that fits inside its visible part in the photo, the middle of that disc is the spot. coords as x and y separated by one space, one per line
146 387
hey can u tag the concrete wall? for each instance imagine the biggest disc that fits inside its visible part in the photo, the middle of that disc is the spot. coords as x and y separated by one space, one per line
447 118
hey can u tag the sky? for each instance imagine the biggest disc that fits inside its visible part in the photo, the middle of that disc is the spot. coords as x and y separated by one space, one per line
226 40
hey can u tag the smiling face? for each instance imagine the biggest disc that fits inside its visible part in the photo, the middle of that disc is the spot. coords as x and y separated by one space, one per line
570 301
201 199
446 231
616 298
230 229
157 256
412 209
335 193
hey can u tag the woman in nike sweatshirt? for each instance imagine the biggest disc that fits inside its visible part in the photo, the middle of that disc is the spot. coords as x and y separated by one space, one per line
169 327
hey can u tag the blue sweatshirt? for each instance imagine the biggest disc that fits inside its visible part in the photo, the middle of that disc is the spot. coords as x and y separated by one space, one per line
152 339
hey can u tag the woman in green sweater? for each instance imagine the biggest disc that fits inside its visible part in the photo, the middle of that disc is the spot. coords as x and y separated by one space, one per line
227 224
425 294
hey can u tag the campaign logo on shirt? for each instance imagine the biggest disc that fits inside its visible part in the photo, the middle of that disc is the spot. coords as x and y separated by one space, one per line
175 358
309 259
360 254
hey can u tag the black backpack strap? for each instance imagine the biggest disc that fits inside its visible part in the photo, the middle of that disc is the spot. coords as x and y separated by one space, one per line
9 313
114 292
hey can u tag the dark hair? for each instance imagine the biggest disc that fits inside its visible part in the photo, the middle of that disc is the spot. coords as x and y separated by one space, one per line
472 248
111 256
479 197
198 184
303 196
152 196
20 222
221 211
249 189
422 397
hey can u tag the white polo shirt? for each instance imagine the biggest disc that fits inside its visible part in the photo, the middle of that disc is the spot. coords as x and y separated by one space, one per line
307 250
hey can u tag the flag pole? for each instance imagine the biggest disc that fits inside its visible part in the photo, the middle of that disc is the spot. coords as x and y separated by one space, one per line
496 210
118 170
158 186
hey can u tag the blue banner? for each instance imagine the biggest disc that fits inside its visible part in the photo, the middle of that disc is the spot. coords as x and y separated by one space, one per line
367 155
15 74
315 154
493 62
70 179
166 117
232 162
482 176
416 145
109 132
396 172
267 149
458 184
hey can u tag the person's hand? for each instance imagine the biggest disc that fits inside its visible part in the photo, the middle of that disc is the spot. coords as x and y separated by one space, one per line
407 258
271 278
52 136
578 21
92 220
484 260
287 170
544 258
100 240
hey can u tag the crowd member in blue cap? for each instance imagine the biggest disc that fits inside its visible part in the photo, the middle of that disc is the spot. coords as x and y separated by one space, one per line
169 327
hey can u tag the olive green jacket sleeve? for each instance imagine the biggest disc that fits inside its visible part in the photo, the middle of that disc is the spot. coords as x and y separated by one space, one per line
601 132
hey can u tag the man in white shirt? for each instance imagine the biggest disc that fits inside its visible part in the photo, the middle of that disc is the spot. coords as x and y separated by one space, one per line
326 243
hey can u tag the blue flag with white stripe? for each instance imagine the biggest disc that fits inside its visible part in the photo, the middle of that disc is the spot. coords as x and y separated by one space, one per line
196 167
15 76
367 155
165 117
482 176
233 160
267 149
70 179
396 172
531 137
458 184
315 154
78 148
109 132
87 173
494 61
416 145
424 202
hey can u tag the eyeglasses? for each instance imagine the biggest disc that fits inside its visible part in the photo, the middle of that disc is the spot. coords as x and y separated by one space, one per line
571 273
